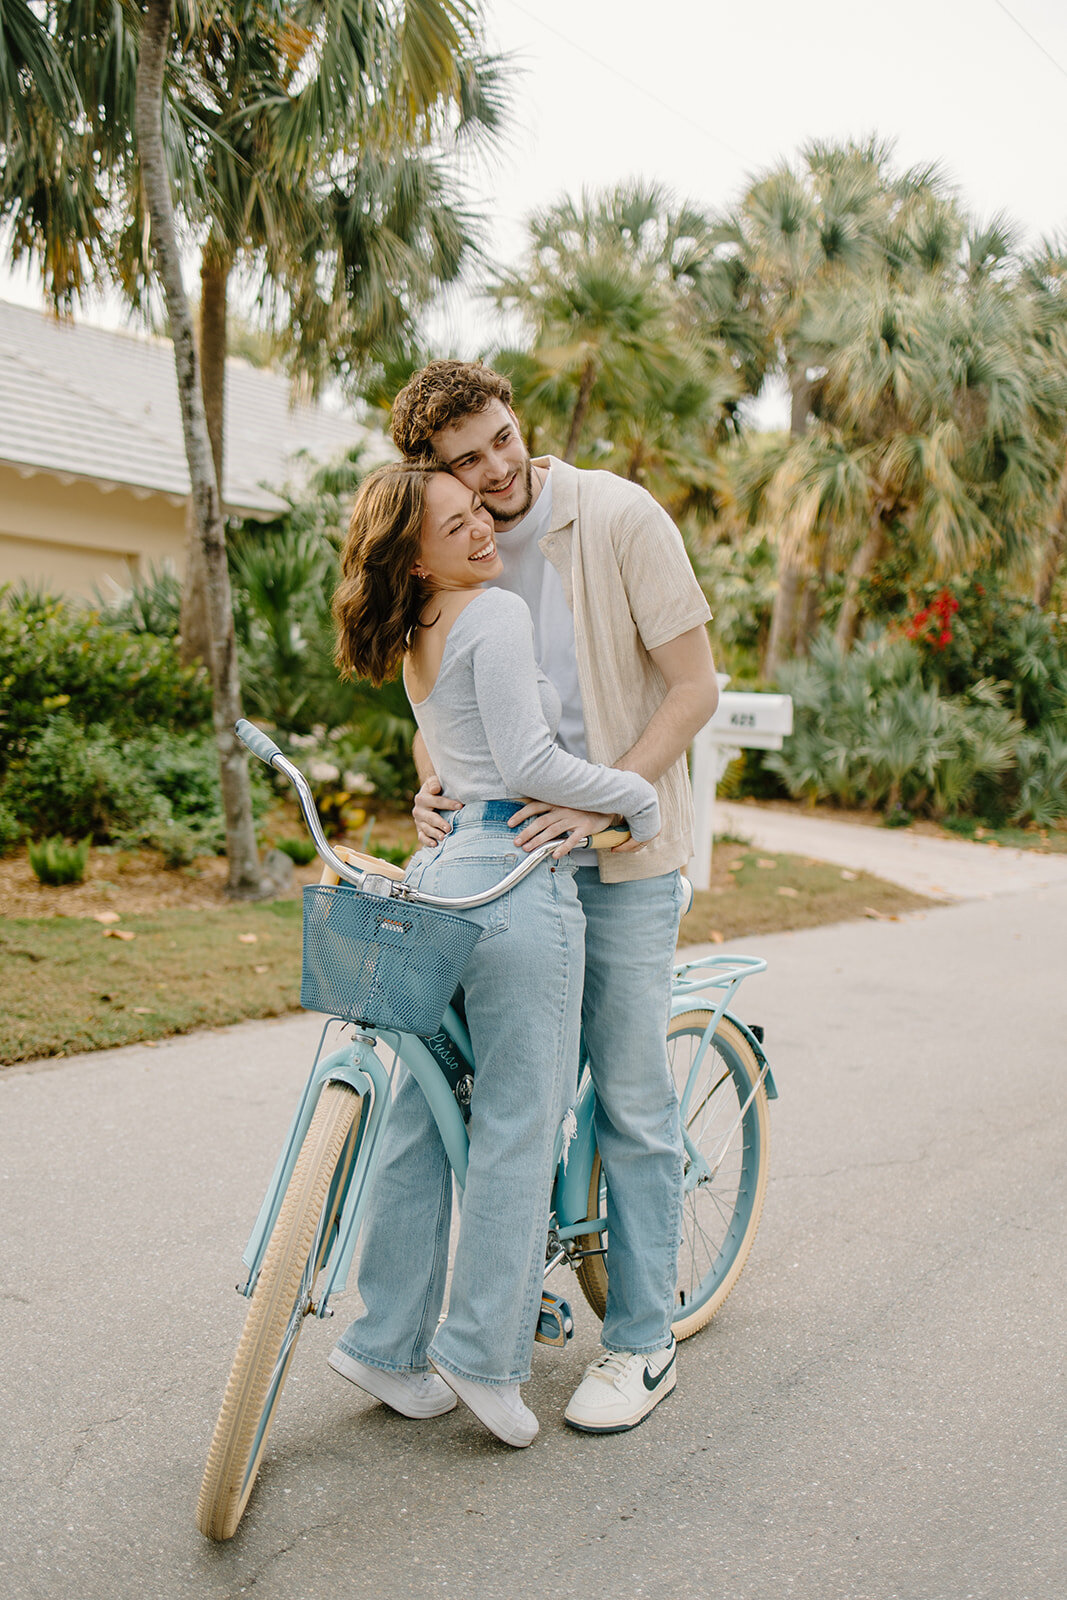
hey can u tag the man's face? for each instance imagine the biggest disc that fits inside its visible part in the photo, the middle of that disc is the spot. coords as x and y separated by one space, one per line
486 453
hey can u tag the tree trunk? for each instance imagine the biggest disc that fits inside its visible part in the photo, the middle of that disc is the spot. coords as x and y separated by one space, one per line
1055 547
215 267
194 625
870 551
808 610
785 610
783 619
244 875
581 409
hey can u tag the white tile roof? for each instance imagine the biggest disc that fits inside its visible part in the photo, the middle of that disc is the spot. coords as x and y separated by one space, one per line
84 402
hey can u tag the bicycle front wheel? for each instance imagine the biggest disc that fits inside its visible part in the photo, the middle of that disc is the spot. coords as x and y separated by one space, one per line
306 1226
727 1134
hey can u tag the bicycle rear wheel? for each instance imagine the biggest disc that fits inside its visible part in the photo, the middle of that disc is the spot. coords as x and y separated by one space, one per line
298 1245
725 1171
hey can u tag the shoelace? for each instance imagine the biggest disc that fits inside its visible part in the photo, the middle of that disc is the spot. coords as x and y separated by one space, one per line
611 1366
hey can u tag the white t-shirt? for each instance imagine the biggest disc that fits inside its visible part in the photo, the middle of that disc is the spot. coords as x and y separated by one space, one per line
535 580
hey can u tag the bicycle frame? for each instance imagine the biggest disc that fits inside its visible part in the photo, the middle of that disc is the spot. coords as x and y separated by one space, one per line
357 1064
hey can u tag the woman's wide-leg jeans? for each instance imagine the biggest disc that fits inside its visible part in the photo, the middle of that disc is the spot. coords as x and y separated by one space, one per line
523 994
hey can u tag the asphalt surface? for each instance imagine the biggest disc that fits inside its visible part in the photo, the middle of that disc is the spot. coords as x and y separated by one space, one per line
878 1413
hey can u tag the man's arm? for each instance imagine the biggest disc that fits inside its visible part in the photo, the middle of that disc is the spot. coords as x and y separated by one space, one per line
430 800
688 672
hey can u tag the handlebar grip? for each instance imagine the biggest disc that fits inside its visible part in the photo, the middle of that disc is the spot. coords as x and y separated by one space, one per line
608 838
257 741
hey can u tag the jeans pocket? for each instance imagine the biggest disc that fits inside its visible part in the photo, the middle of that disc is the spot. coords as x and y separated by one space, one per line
473 873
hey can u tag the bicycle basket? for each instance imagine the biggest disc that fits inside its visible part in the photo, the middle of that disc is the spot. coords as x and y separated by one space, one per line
385 963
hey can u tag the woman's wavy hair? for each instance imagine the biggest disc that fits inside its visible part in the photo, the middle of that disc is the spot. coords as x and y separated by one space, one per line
379 600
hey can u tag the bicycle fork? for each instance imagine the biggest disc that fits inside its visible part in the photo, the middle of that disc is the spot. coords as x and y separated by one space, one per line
356 1065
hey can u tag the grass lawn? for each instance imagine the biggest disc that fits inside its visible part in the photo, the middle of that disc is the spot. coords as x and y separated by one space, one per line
71 983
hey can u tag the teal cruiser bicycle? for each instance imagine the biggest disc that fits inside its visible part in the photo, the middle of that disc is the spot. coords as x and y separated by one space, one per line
385 960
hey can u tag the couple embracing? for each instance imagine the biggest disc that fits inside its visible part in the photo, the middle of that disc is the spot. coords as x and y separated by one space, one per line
552 640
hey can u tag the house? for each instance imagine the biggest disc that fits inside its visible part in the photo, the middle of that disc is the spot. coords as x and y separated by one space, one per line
93 479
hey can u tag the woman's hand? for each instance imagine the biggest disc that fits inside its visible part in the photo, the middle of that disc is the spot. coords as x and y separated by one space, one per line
430 801
546 823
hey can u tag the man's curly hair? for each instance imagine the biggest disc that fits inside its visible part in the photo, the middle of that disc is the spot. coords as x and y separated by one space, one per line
442 393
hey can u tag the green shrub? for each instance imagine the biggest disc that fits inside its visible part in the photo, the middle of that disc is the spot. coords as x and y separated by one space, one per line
300 851
59 657
57 862
1042 777
870 730
161 789
80 781
11 830
151 605
177 842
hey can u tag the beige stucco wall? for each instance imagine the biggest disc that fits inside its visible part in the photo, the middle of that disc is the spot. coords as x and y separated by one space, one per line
71 537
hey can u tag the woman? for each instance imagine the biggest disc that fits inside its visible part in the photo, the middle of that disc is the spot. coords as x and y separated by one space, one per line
419 553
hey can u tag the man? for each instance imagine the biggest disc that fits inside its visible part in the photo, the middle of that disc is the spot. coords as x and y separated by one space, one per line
619 623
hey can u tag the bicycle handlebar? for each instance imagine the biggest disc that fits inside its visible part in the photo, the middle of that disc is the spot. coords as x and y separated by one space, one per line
257 741
265 748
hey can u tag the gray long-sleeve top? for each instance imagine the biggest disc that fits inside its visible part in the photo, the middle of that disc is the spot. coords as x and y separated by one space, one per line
490 719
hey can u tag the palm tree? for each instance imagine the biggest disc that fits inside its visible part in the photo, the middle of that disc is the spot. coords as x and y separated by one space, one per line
602 290
241 851
931 429
274 121
1045 280
805 234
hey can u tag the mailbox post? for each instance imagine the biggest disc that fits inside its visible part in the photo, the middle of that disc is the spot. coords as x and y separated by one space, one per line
741 722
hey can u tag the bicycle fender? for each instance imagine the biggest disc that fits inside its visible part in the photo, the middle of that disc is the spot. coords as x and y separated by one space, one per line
753 1037
353 1064
753 1033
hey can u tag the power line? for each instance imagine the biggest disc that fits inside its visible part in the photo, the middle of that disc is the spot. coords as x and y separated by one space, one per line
633 83
1034 40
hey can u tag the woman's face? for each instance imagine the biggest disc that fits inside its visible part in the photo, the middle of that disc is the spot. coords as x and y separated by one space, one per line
457 549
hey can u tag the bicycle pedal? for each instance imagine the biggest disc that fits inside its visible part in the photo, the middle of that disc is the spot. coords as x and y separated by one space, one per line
556 1322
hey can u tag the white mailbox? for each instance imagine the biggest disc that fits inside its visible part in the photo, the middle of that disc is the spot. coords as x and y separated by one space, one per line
742 721
752 721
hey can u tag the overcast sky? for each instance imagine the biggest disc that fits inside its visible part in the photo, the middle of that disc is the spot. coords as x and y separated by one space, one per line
699 95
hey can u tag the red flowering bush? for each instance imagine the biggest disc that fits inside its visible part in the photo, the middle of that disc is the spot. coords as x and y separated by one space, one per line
932 626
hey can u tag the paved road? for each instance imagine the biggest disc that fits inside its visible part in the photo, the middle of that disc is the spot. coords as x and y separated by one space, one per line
879 1412
944 869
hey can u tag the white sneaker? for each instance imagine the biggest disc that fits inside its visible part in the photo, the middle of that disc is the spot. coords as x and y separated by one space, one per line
619 1390
499 1406
413 1394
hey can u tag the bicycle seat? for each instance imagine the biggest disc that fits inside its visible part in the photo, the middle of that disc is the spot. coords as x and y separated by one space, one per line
356 858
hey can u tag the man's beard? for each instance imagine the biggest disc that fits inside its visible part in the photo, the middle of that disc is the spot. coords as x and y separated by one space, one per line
510 517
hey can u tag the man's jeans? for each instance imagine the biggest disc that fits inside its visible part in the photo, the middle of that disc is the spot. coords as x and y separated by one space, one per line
630 936
522 989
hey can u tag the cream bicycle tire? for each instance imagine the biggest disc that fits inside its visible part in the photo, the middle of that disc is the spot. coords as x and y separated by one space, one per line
295 1253
734 1198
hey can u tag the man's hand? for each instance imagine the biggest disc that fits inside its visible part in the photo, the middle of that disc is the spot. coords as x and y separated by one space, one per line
429 803
547 822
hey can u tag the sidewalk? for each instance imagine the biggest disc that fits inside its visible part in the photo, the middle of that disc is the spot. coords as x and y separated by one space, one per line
944 869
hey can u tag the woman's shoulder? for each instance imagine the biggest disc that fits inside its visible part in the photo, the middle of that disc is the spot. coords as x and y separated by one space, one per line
491 608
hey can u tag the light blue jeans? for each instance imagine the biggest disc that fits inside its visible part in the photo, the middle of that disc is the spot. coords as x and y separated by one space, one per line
630 934
523 990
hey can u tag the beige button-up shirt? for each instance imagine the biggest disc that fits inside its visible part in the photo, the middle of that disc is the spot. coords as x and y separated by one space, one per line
630 586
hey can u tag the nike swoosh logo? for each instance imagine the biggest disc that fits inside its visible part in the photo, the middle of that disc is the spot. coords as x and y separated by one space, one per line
654 1383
